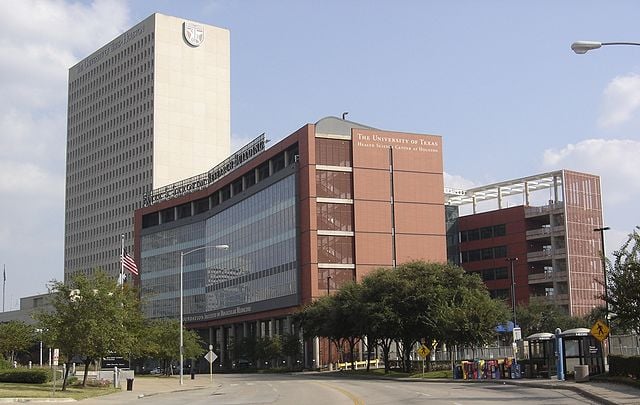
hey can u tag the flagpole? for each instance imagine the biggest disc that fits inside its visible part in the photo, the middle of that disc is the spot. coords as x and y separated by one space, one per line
4 283
122 264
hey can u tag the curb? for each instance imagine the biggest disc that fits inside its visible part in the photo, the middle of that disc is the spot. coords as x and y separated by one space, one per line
39 400
526 383
559 386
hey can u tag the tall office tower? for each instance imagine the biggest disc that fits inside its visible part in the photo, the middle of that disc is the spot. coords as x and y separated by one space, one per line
147 109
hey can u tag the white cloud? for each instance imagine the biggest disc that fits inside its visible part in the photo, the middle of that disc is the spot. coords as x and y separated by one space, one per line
28 179
621 100
615 161
457 181
239 140
39 41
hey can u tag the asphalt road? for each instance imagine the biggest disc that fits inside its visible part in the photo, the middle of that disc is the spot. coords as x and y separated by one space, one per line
232 389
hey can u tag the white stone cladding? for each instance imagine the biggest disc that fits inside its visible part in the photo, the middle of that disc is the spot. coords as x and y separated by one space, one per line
145 110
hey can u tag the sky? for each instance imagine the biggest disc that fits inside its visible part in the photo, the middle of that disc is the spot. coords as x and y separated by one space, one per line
496 79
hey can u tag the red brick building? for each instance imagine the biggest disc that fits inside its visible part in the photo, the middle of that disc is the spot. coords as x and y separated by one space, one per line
322 207
557 249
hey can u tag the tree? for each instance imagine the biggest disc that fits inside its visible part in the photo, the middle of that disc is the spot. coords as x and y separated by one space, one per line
162 341
92 318
469 314
624 284
267 348
383 322
416 302
545 317
348 317
600 313
245 349
15 336
291 348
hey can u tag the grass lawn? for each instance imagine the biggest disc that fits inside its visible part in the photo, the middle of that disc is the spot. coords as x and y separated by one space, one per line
15 390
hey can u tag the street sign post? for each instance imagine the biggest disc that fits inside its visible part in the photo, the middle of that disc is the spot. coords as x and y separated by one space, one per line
423 351
210 357
600 330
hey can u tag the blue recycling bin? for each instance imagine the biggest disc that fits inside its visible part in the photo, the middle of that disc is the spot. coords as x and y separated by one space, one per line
516 372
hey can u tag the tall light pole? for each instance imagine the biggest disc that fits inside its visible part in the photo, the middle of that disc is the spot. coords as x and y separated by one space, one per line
182 255
330 366
40 332
604 270
511 260
581 47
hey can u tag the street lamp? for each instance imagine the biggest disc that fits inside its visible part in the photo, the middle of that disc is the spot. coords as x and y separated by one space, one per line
511 260
581 47
330 366
182 255
40 332
604 270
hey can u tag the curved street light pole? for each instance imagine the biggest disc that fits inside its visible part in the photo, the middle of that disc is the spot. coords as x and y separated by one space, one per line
581 47
330 365
182 255
511 261
604 273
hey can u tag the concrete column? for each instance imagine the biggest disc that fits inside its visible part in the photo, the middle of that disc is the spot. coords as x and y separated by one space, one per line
272 326
287 325
316 352
232 337
221 342
363 348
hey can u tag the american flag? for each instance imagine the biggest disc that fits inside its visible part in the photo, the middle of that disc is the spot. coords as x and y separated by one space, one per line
129 264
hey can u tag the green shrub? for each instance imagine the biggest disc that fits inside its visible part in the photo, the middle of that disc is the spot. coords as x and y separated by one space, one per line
25 376
624 366
5 364
98 383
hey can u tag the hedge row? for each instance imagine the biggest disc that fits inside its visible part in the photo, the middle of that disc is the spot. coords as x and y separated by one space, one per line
624 366
25 376
4 363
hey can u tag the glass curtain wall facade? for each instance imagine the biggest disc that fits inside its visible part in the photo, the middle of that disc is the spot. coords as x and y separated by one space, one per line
259 271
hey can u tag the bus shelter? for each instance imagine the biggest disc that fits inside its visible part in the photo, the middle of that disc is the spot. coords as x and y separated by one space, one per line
542 356
582 348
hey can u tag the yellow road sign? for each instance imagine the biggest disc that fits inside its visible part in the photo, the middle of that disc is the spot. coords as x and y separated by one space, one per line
423 351
600 330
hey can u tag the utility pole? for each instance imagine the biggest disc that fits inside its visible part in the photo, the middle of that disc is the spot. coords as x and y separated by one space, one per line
4 283
330 366
606 284
511 260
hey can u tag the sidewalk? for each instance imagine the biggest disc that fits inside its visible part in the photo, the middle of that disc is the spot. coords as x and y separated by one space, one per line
148 386
602 392
606 393
142 387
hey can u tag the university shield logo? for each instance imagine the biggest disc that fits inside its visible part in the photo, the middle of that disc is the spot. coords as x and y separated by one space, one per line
193 33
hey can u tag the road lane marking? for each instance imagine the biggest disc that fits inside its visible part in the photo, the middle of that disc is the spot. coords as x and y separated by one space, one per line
351 396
